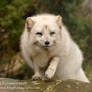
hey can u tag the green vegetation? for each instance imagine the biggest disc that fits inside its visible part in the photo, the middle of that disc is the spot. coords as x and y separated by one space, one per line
14 12
12 16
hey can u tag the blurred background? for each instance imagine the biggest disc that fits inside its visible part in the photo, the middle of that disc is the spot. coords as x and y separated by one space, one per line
77 16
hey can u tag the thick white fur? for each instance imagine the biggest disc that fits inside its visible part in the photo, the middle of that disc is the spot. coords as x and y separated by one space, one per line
66 56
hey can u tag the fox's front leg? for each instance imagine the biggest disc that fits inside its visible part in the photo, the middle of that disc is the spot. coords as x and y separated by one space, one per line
52 68
37 73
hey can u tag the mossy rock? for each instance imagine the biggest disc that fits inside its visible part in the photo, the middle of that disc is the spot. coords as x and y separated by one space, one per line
11 85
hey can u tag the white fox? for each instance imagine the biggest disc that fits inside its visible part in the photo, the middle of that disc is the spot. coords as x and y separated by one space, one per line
46 43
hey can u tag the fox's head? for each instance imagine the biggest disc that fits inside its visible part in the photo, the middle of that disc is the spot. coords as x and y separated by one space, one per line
45 30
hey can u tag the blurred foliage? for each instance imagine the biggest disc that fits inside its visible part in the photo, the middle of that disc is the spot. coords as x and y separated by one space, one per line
88 70
12 15
14 12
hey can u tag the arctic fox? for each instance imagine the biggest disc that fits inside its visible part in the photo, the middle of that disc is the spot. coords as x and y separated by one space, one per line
48 49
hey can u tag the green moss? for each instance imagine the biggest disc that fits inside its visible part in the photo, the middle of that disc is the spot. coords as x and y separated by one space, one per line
88 70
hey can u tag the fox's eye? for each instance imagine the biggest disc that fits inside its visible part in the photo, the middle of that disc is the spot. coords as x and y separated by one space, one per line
52 33
39 33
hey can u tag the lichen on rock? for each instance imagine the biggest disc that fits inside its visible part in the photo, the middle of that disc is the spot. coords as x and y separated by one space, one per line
12 85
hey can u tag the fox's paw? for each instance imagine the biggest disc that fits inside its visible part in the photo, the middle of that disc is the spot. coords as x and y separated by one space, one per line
49 74
37 77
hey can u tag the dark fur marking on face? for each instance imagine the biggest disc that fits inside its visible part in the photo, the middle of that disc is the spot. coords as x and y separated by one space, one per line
46 27
28 29
35 43
60 27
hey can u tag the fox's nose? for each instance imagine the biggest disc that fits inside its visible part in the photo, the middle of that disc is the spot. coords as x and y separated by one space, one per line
47 43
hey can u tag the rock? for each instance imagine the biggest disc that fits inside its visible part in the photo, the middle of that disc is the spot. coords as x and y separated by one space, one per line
16 68
11 85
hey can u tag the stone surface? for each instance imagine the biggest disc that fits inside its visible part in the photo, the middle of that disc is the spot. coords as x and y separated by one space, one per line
11 85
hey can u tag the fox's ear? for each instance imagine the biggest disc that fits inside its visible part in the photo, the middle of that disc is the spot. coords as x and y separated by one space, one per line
59 20
29 23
